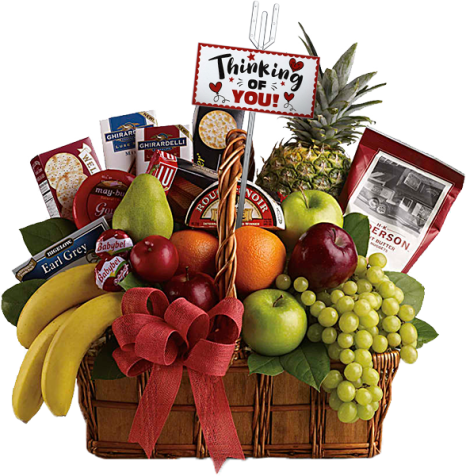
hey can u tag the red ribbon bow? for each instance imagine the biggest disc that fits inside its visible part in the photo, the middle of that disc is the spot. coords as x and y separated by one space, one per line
166 339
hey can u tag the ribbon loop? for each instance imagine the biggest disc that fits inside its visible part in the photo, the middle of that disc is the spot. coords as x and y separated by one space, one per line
166 338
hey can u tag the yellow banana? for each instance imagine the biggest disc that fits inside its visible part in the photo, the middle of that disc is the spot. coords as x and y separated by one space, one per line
55 296
27 394
69 346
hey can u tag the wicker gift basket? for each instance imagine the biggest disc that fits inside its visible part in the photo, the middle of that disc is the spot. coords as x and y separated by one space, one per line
274 416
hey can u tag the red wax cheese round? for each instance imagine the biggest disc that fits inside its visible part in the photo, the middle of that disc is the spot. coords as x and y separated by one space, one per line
111 271
99 195
112 243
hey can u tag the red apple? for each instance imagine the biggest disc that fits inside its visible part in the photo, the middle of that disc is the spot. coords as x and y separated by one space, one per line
325 255
198 288
154 259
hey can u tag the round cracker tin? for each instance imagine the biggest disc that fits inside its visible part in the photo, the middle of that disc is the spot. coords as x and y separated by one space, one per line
99 195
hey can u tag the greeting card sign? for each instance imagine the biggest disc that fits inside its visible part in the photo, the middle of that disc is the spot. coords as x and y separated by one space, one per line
255 80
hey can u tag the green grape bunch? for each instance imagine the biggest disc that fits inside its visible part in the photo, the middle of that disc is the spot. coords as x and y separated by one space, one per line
362 316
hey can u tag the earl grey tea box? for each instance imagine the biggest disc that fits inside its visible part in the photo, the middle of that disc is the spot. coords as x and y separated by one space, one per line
74 250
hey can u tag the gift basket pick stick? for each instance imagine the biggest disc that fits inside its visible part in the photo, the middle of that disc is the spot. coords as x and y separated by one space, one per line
260 44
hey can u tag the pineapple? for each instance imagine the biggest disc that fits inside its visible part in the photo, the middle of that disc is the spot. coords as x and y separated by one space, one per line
315 158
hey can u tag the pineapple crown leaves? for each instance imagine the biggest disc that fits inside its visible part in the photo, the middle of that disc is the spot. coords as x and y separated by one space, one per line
336 99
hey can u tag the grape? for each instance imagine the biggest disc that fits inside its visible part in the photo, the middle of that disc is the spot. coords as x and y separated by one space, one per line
328 317
399 295
363 396
345 341
363 357
348 412
345 304
333 379
379 300
334 401
370 376
375 275
362 307
390 306
324 296
283 282
373 331
376 392
365 412
333 351
408 333
380 344
391 324
301 284
350 288
336 295
317 308
329 335
348 322
364 286
358 383
361 266
308 298
406 313
394 339
378 259
408 354
383 332
387 289
314 333
347 356
369 297
363 339
370 320
375 406
346 391
353 371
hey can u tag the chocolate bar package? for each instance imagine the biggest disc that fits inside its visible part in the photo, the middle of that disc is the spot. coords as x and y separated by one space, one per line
405 193
176 140
118 139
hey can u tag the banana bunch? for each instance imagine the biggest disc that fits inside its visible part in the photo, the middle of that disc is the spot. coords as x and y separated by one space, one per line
58 330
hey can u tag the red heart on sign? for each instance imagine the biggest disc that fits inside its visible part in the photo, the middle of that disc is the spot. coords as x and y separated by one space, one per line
296 65
289 96
215 87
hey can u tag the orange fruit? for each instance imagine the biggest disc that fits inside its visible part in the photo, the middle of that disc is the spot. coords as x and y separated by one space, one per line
261 258
196 249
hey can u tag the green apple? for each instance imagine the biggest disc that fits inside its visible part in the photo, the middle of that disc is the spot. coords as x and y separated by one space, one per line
304 209
274 322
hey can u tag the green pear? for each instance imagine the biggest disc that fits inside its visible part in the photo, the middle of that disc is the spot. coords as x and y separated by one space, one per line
144 210
303 209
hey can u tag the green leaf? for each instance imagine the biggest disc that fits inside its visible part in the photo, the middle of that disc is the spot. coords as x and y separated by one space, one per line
133 281
309 363
15 298
260 364
357 226
344 64
46 233
425 332
330 84
105 367
413 290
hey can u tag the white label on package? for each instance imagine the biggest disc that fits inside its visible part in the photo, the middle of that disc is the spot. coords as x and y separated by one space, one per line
401 202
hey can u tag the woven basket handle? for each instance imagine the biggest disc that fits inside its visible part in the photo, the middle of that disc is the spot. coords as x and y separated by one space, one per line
229 173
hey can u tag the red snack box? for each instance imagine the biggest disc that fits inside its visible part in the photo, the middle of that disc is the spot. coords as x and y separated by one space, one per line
61 171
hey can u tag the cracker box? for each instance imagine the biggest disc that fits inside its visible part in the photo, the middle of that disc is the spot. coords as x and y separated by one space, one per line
60 173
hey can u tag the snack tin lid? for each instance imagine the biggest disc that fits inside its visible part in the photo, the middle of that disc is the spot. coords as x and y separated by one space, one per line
99 195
